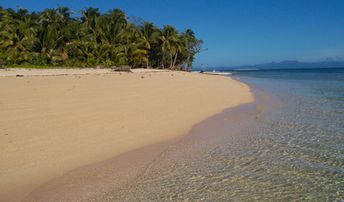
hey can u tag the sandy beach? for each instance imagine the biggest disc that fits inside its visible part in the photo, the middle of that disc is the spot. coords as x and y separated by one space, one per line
55 121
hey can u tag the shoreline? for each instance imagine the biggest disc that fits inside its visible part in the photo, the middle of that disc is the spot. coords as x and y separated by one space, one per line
111 175
204 137
94 180
201 86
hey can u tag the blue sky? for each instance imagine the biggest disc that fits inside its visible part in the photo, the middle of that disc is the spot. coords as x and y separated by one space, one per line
236 32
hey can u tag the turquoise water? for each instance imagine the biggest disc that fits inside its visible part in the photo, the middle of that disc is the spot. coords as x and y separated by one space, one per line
288 146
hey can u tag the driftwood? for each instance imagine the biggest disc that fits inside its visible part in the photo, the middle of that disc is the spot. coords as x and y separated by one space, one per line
124 68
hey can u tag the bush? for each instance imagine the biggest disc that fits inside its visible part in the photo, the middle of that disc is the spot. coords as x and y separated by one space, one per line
108 63
39 60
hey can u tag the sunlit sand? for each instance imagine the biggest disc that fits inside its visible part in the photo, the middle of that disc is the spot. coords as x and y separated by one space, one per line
53 124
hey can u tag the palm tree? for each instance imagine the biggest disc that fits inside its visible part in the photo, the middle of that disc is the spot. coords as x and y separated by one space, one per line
151 35
171 42
54 37
192 46
89 18
16 37
137 46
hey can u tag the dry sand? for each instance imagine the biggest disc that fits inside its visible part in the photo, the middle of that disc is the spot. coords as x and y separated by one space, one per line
60 72
50 125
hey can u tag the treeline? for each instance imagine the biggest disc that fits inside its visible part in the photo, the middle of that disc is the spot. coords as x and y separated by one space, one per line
54 37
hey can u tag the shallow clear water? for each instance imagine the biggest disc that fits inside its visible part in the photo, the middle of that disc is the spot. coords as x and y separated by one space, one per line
287 146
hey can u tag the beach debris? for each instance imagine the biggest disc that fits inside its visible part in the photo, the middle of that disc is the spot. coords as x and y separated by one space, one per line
172 75
19 75
123 68
100 67
142 77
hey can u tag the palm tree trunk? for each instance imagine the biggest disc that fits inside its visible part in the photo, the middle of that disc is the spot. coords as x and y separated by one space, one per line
175 59
162 62
187 64
171 62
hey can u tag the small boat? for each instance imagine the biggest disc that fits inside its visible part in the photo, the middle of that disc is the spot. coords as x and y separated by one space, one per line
218 73
214 72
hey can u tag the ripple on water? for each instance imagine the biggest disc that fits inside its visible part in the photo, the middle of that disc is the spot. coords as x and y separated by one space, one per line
294 151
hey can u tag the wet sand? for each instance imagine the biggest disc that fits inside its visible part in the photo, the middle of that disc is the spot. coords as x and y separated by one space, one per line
116 179
54 126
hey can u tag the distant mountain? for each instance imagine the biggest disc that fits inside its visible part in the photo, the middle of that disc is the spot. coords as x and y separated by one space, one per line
290 64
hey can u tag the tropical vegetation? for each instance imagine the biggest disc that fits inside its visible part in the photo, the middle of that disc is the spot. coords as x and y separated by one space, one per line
59 37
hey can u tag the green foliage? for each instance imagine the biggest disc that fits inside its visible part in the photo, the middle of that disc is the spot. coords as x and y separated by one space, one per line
54 38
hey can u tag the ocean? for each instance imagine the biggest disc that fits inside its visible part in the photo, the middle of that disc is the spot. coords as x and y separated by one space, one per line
287 146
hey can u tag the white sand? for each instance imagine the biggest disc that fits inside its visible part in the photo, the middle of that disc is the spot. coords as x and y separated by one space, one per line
59 72
50 125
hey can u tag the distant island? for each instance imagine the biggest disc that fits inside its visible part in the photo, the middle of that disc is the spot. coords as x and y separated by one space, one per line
287 64
55 37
